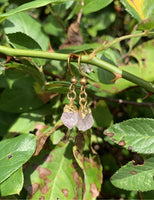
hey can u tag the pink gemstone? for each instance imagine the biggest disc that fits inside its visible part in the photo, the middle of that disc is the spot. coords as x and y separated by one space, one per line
86 123
70 119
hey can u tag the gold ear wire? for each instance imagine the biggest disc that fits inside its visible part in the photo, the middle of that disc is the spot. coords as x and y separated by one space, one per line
68 64
71 95
79 64
70 111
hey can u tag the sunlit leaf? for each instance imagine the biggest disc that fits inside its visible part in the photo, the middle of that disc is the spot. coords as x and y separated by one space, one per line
92 171
57 136
26 122
14 153
135 177
20 27
95 5
13 184
136 134
139 9
55 175
29 5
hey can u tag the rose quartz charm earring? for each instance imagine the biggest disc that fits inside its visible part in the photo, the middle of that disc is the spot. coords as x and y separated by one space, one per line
85 120
70 111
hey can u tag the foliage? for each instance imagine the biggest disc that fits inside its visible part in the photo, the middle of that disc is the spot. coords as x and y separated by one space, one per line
39 157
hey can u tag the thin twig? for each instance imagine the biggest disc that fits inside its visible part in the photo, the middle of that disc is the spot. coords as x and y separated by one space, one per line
80 13
121 101
140 195
52 75
117 40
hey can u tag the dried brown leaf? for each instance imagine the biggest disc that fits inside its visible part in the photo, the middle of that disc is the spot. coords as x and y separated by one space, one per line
74 36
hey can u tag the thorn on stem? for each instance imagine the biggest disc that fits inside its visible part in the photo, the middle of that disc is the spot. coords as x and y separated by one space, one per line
93 54
85 52
50 49
8 58
148 95
117 76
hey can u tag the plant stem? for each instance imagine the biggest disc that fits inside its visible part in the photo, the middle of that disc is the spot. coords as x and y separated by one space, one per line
140 195
84 59
80 13
117 40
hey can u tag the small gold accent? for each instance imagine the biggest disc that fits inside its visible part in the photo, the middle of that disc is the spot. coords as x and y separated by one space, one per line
74 80
83 81
70 108
83 112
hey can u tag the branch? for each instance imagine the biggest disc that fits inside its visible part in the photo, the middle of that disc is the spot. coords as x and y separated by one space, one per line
117 40
121 101
84 59
80 13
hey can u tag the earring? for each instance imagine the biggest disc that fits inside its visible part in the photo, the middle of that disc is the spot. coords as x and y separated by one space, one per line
85 120
70 111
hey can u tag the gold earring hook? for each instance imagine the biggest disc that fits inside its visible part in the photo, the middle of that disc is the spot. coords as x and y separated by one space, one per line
79 64
68 64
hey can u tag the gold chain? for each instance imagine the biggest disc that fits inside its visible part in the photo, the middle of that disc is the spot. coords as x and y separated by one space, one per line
71 95
83 97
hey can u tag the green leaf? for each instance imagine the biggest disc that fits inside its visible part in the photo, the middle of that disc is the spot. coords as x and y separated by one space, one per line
26 122
13 184
135 134
22 41
94 5
20 95
3 1
144 55
98 113
29 5
139 9
14 153
6 120
2 68
28 26
133 41
55 175
135 177
57 136
79 48
52 27
92 171
94 24
57 86
109 38
19 99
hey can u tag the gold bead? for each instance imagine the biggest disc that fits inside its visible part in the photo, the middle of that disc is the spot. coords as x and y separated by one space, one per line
83 81
74 80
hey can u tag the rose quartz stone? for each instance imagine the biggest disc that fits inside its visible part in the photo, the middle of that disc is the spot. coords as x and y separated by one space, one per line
70 119
86 123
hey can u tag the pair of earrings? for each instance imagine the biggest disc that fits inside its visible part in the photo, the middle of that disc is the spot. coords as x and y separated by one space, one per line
71 116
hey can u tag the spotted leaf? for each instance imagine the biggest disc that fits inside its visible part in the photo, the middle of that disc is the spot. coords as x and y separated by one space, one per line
135 177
